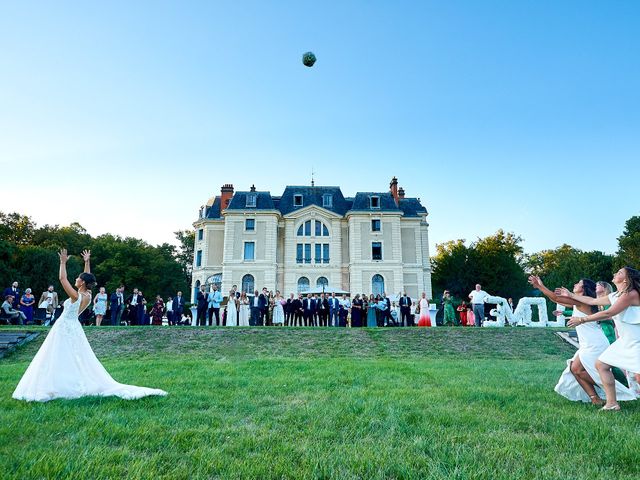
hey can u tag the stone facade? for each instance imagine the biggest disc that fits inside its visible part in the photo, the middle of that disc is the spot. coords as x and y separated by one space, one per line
310 236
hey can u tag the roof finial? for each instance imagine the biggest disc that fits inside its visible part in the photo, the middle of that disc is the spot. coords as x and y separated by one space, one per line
313 183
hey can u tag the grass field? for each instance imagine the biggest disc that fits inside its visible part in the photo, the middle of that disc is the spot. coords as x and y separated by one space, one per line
446 403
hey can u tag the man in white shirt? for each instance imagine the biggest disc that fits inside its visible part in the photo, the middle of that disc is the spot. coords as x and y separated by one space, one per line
477 297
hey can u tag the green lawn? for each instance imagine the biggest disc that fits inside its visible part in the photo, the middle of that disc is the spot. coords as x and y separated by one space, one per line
320 403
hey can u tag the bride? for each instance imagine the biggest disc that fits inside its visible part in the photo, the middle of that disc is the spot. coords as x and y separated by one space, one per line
65 366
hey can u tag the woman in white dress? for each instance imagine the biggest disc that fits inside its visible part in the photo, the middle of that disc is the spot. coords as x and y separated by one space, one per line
232 310
624 353
581 381
243 313
278 309
65 366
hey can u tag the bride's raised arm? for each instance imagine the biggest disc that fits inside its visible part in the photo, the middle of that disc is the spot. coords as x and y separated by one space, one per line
62 275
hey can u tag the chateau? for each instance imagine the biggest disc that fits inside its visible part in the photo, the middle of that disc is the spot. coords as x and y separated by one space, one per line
312 237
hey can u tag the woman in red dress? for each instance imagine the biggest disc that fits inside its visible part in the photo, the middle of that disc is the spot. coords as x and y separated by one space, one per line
157 311
462 311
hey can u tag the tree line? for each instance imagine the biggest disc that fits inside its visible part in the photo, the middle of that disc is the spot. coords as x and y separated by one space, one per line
28 254
499 263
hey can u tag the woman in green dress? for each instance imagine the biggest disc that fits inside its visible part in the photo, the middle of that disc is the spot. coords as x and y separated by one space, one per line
449 311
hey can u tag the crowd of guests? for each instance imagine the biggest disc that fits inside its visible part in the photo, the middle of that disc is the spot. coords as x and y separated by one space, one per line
262 308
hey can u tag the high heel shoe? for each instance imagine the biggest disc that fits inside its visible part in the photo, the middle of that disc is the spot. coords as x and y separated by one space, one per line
614 408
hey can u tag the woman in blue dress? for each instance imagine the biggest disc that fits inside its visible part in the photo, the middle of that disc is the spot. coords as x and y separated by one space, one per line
100 306
26 305
371 312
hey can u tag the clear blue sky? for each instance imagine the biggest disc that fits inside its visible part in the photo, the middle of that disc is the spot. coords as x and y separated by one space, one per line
521 115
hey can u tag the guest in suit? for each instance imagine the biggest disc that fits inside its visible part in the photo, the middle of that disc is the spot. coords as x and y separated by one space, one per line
256 309
203 306
177 306
323 310
117 305
16 317
297 311
15 293
406 319
136 307
263 300
334 311
215 298
49 300
288 311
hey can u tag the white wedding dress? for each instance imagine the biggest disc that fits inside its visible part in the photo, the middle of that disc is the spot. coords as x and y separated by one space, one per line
593 343
232 313
66 367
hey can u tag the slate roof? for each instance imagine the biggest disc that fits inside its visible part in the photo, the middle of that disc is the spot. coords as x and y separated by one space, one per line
362 202
214 210
312 196
409 207
263 201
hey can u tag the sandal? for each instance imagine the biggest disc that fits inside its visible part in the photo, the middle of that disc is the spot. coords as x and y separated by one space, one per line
614 408
596 400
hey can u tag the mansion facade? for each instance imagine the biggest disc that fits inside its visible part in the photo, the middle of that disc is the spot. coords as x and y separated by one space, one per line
313 238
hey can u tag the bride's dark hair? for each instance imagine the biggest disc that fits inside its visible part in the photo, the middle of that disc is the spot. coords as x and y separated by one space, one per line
89 280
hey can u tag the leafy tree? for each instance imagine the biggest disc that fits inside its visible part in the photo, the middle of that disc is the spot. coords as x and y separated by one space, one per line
629 244
494 261
16 229
185 252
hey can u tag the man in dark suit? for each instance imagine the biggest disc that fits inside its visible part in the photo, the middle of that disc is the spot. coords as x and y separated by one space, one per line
288 312
297 311
117 305
136 307
334 311
15 292
263 301
406 319
203 306
254 308
177 306
323 310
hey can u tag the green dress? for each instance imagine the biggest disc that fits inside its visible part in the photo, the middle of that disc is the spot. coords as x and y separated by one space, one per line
449 312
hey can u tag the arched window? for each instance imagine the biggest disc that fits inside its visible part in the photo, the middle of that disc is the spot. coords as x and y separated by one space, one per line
300 230
322 282
377 285
303 284
307 228
248 284
215 279
325 230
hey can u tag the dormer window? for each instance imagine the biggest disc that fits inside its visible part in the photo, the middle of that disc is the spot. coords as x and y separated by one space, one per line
374 201
327 200
297 200
251 200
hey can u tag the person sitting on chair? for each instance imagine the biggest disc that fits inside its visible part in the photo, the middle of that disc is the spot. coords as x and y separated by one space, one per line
16 317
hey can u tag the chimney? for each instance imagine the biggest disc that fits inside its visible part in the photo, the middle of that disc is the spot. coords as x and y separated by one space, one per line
393 187
401 192
226 192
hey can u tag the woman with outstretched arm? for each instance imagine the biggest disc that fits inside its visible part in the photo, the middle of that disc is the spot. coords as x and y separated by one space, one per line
580 381
624 353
